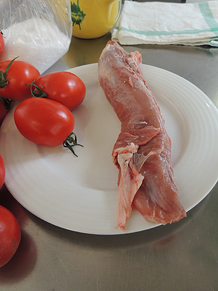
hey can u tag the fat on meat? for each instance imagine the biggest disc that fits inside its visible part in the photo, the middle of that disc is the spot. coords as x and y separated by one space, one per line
142 152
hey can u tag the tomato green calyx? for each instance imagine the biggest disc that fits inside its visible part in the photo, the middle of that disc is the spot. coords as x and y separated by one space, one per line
6 102
37 91
70 142
3 75
3 80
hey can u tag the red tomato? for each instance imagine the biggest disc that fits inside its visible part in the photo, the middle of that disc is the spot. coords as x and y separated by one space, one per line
43 121
13 83
1 42
2 171
10 235
3 112
63 87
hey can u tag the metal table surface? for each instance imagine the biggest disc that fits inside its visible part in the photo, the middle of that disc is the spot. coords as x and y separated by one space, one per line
182 256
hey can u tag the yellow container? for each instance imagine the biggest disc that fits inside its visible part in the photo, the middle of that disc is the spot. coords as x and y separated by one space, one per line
94 18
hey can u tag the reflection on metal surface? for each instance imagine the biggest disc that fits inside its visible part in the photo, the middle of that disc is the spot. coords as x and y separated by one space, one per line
82 51
23 262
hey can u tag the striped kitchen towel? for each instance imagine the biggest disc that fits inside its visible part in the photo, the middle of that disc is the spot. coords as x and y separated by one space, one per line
168 23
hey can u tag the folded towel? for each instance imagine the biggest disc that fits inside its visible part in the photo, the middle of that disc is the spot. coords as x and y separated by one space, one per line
168 23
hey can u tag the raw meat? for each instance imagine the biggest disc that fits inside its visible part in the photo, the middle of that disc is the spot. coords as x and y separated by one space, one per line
142 151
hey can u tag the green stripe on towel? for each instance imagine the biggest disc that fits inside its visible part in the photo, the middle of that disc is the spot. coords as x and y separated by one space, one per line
191 31
208 16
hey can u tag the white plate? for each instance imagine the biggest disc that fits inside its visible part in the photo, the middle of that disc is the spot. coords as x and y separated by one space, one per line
80 194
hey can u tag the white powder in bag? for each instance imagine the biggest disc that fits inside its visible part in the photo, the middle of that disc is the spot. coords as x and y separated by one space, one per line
36 41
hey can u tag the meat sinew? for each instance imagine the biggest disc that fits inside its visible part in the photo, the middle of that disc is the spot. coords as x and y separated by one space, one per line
142 151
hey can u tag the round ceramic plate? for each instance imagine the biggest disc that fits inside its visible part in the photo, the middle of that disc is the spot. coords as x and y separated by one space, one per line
80 193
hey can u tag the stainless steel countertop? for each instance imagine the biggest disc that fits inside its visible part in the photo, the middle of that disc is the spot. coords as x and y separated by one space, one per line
182 256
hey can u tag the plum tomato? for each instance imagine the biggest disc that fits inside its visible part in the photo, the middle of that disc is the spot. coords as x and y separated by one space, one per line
10 235
44 121
2 172
1 42
14 79
3 111
64 87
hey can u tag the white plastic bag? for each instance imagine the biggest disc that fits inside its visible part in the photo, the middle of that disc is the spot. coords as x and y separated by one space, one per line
36 31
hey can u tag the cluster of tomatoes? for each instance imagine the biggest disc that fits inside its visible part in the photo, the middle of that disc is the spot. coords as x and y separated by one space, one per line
9 227
43 116
45 119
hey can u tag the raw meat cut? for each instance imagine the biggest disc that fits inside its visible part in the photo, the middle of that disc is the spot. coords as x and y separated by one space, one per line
142 151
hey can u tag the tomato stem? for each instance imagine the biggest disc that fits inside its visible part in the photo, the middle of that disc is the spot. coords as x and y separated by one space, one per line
3 77
37 91
6 102
70 142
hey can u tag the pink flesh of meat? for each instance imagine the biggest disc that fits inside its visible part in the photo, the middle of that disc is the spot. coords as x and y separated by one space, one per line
142 151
